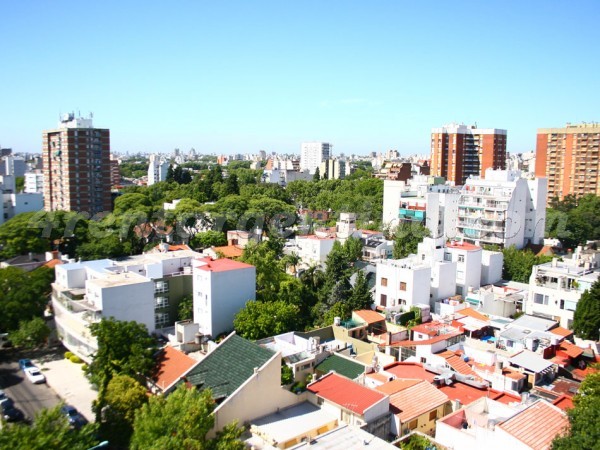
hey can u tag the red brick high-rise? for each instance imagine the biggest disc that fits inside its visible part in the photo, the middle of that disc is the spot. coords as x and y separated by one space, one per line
458 151
570 158
76 160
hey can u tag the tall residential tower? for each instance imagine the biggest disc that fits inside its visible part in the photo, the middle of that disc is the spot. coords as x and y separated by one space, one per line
76 159
458 151
313 154
570 158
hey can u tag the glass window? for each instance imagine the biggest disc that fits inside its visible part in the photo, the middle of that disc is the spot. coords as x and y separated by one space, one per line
384 281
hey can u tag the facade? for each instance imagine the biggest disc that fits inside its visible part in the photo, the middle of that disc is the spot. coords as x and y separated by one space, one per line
34 182
313 249
459 151
144 288
76 159
115 171
13 165
157 169
556 287
312 154
570 158
503 209
334 169
221 288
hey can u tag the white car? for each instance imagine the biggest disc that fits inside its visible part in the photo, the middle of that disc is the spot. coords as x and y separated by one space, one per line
34 375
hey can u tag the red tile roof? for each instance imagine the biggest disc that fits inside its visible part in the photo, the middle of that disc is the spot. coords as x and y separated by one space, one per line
426 341
563 402
174 248
464 393
561 331
222 265
409 371
537 425
53 263
171 365
458 365
230 251
571 350
345 393
463 246
415 400
474 314
369 316
391 387
504 397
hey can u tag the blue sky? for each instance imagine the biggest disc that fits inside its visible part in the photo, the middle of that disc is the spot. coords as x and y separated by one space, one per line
240 76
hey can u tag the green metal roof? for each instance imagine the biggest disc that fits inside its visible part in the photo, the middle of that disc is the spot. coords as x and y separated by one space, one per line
228 366
342 366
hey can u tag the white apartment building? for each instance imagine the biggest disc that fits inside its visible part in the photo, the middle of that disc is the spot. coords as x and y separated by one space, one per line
221 288
145 288
157 170
556 287
422 199
502 209
313 249
34 182
312 154
284 171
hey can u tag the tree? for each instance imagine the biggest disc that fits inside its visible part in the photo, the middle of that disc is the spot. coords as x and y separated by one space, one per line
258 320
353 248
182 421
269 271
31 333
518 264
231 185
586 319
123 397
50 430
185 310
208 238
407 237
22 234
583 432
123 348
170 174
132 202
360 296
317 175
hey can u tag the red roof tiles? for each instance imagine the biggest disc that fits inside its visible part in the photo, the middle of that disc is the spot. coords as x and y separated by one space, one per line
417 399
571 350
537 425
346 393
171 365
391 387
463 246
222 265
561 331
369 316
409 371
229 251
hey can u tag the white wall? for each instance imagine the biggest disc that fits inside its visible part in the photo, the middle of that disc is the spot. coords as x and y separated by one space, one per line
127 302
491 267
417 281
392 192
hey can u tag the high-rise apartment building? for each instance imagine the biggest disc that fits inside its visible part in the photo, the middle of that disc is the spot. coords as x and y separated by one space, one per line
157 169
458 151
76 160
570 158
312 154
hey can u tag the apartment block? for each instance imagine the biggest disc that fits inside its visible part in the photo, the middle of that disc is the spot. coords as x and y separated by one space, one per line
312 154
157 169
77 169
34 182
459 151
502 209
570 158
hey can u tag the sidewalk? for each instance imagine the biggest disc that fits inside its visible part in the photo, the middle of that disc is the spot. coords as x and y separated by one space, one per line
69 382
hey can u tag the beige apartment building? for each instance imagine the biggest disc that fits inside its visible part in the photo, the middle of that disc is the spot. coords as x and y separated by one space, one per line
77 167
570 158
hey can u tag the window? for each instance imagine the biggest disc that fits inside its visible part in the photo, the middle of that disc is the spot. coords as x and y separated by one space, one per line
161 320
161 302
461 258
402 286
383 301
412 424
540 299
447 257
433 415
384 281
161 286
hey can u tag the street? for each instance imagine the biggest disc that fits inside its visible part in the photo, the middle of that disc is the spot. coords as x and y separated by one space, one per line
28 397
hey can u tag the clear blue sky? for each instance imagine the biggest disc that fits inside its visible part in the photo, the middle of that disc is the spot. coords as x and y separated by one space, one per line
239 76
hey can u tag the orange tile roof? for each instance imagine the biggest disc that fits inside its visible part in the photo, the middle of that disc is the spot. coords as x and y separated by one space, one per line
369 316
416 400
53 263
464 393
571 350
457 363
474 314
345 393
537 425
563 402
504 397
561 331
391 387
174 248
463 246
230 251
378 377
409 371
222 265
171 365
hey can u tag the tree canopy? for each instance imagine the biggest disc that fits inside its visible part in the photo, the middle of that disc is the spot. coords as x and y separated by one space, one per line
586 319
182 421
518 264
258 320
407 237
574 220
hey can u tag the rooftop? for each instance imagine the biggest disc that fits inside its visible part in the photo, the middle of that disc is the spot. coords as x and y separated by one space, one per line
346 393
221 265
537 425
391 387
342 366
463 246
228 366
417 399
530 361
369 316
171 364
409 370
229 251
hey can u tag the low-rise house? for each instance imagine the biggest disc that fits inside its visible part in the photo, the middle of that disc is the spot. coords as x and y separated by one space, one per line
341 365
171 365
537 369
352 403
313 249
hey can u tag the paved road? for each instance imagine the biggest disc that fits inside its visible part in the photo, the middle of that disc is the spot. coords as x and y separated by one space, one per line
28 397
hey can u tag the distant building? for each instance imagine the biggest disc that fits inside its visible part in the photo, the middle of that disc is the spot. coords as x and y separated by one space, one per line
570 158
459 151
157 170
334 169
34 182
13 165
312 154
76 160
115 172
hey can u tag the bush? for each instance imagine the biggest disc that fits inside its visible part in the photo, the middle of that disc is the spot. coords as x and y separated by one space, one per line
68 355
84 367
75 359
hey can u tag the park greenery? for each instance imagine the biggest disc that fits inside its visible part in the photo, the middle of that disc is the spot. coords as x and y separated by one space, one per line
586 319
574 220
518 264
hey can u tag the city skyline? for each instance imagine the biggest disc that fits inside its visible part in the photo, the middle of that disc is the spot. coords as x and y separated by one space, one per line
238 78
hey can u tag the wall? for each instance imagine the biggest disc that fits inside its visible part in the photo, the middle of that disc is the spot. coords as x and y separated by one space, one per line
424 424
491 267
391 201
130 302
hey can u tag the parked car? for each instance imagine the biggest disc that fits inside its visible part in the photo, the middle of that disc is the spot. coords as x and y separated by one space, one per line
34 375
25 364
76 420
10 412
3 396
